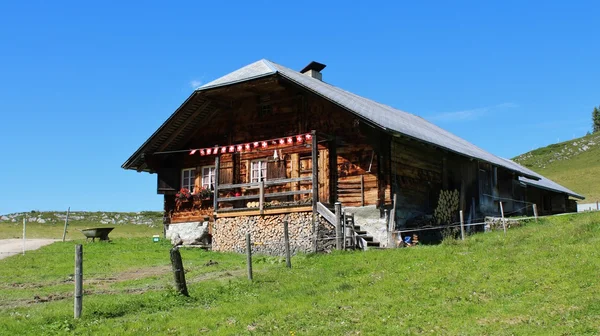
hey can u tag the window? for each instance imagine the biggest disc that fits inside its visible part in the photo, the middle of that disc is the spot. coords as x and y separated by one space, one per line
258 171
188 177
265 109
208 177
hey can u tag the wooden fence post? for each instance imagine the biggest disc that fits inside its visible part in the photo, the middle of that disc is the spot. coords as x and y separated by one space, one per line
261 197
249 256
24 225
362 190
286 236
535 214
216 184
78 304
351 242
462 225
503 221
338 226
178 271
344 232
66 223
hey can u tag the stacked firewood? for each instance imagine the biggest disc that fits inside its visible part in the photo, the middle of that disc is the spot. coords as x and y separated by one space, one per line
229 234
447 208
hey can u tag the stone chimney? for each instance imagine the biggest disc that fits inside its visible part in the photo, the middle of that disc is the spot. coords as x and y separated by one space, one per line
314 70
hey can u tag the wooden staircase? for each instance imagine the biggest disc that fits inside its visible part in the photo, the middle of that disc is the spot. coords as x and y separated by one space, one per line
359 232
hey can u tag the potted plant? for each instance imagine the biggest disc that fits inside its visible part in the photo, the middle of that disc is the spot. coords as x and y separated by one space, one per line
204 193
182 196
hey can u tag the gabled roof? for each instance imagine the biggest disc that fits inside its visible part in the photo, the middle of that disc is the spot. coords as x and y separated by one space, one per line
386 117
392 120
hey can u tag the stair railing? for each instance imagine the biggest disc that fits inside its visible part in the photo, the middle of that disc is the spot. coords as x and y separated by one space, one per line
357 242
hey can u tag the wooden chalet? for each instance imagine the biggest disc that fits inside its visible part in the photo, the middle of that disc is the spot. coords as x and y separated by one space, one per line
266 140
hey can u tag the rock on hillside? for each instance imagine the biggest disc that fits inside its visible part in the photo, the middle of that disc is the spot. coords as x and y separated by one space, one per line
151 218
542 157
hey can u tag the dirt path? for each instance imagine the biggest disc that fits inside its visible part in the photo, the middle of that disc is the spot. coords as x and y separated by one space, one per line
10 247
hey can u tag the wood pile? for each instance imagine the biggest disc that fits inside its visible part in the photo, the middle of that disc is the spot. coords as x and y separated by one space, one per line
229 234
447 209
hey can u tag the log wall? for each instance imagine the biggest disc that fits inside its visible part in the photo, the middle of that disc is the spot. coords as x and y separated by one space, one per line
416 173
548 202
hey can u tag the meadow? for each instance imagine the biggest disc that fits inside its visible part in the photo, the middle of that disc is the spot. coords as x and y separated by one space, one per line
54 230
539 279
568 164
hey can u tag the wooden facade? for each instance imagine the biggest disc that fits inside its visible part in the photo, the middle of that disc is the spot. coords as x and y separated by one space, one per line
355 161
353 158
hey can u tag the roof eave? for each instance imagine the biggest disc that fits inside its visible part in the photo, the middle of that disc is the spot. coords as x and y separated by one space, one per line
129 163
208 87
572 194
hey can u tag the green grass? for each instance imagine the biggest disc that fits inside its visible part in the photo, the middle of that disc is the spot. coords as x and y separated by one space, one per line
55 230
566 165
540 279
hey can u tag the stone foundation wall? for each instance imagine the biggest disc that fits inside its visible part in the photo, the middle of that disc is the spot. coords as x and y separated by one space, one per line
229 234
191 233
370 219
495 223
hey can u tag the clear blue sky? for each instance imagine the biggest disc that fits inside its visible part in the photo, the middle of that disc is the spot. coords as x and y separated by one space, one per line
83 85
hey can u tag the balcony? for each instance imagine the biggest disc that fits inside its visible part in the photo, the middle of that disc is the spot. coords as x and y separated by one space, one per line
265 197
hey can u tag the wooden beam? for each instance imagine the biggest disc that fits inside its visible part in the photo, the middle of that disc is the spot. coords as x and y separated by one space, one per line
267 211
180 128
326 213
216 191
362 190
206 119
315 169
249 86
315 187
261 200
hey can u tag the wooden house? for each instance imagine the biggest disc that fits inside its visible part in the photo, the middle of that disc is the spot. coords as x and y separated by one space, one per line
266 143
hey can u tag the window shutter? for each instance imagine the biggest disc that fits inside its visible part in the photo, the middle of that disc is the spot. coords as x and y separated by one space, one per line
226 175
168 179
276 169
226 169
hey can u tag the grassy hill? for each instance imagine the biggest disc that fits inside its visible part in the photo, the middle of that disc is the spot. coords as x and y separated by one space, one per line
485 285
50 224
574 164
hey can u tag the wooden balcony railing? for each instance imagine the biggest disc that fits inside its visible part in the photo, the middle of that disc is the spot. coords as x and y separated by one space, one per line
263 192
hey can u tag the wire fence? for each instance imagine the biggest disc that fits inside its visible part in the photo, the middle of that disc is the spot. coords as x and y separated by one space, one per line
473 222
320 236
